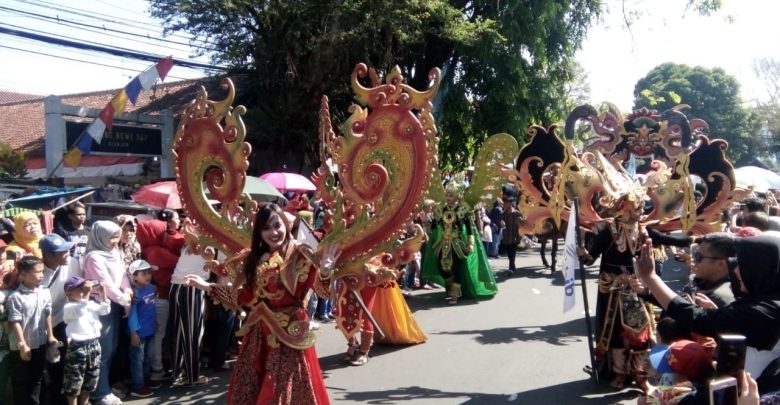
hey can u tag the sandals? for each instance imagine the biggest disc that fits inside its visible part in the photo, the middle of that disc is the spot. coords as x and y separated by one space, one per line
353 348
618 382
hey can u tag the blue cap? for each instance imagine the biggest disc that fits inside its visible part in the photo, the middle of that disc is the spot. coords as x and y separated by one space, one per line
54 243
74 282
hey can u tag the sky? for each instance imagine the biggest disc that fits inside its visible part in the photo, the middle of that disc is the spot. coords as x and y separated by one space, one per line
616 58
613 57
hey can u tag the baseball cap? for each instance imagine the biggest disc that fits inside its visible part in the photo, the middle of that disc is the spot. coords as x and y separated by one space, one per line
685 357
74 282
124 219
139 265
54 243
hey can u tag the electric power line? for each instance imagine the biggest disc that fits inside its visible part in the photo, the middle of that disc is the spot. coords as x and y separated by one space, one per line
109 50
61 20
86 41
83 61
85 13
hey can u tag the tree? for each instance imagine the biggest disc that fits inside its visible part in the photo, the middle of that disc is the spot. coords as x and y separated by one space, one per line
713 96
765 114
506 64
11 162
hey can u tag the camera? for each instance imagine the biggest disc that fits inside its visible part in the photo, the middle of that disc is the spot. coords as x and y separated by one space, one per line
724 391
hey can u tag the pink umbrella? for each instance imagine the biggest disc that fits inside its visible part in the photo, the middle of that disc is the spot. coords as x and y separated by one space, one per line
288 181
161 195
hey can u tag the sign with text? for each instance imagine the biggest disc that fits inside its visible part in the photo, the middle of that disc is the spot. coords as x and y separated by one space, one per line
122 139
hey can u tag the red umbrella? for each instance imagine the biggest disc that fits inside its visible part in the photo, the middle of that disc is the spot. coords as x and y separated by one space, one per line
288 181
161 195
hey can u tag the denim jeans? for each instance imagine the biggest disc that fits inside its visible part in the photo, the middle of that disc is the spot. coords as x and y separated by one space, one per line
323 307
141 362
496 241
109 337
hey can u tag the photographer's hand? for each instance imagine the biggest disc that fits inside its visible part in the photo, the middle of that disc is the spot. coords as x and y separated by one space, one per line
705 302
749 394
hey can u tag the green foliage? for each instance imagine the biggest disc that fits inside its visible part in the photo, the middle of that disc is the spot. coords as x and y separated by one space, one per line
712 95
765 115
11 162
506 64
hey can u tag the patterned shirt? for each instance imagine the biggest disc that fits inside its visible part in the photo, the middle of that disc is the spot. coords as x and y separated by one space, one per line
30 308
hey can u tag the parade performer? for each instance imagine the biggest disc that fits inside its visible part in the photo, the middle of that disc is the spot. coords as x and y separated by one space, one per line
612 202
454 259
380 298
624 323
277 362
393 316
383 160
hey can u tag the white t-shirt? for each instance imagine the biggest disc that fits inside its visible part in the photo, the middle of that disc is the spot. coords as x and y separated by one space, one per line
189 263
57 286
83 319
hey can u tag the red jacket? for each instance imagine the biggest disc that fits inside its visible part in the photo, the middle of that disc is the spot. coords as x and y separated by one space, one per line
160 248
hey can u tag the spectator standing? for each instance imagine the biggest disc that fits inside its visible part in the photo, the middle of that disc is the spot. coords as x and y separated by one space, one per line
75 229
27 233
5 349
187 312
129 248
161 244
82 360
141 323
29 315
58 267
103 264
495 215
510 225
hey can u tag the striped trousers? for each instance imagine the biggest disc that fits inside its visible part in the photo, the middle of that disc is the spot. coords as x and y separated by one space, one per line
187 307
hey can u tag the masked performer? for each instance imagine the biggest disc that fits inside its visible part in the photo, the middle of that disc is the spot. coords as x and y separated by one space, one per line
623 322
454 259
278 362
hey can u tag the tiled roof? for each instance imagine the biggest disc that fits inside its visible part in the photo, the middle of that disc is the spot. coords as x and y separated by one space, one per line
7 97
22 123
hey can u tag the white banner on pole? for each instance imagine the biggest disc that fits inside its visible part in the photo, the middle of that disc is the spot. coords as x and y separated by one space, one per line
570 262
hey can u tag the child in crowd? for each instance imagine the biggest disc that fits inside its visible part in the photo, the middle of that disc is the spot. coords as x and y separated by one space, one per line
4 348
82 359
142 323
29 316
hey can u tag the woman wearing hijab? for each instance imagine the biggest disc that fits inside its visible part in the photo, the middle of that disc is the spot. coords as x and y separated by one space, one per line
104 264
27 234
755 313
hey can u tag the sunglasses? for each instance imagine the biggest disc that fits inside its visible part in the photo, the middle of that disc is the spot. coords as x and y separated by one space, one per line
698 257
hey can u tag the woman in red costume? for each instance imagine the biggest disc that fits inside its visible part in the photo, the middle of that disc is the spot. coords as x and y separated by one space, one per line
278 363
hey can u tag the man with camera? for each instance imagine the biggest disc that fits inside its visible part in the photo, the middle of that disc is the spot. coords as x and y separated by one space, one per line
711 268
755 313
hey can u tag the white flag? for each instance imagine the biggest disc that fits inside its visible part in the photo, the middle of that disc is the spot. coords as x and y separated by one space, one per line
570 262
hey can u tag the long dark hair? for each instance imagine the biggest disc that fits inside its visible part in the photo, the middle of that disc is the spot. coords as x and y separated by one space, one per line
259 247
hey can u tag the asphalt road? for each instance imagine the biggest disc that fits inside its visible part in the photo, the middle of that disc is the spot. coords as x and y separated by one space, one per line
518 347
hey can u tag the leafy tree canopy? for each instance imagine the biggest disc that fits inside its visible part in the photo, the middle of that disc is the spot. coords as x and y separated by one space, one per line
11 162
506 64
713 96
765 114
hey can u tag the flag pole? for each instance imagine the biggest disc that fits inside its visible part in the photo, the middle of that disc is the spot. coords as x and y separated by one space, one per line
592 352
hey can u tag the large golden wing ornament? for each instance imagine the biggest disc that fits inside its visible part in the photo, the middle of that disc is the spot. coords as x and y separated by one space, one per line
495 154
210 146
383 162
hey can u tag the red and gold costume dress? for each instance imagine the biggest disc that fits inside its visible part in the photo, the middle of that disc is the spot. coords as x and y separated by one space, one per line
278 362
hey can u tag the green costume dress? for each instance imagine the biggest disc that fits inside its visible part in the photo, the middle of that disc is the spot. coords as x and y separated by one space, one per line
446 263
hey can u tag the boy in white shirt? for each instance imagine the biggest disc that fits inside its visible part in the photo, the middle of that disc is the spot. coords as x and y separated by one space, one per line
82 316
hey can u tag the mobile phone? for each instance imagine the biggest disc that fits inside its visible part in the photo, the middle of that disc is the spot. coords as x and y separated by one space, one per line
730 355
723 391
